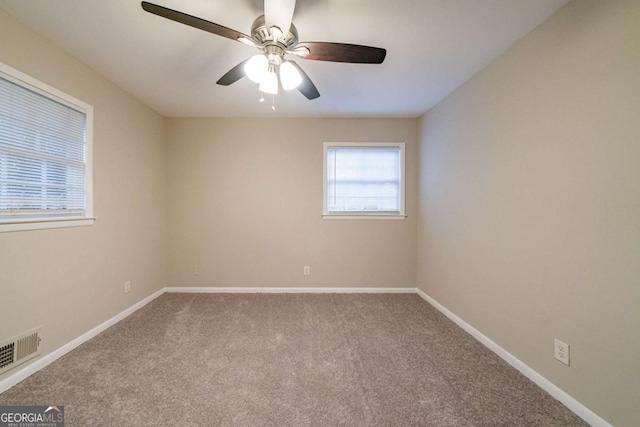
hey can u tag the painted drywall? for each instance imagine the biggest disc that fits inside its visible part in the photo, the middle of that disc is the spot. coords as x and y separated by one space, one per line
529 201
245 202
72 279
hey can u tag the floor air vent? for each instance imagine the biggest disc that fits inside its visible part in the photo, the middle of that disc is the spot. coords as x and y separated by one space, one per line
19 349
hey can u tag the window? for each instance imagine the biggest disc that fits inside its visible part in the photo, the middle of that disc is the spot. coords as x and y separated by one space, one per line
45 155
363 180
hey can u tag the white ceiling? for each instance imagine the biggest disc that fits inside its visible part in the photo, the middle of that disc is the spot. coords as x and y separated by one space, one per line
433 46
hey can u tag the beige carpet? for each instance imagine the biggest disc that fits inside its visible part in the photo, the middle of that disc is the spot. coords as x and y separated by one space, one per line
288 360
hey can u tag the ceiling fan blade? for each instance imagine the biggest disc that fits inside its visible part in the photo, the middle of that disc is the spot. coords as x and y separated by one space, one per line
279 13
306 87
233 75
342 52
193 21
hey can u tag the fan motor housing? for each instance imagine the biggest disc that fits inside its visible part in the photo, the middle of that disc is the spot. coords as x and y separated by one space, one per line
268 37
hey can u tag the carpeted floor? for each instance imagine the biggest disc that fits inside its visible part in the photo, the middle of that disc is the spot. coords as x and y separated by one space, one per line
288 360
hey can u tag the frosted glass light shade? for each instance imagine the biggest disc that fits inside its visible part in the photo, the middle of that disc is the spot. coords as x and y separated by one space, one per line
289 76
256 68
269 83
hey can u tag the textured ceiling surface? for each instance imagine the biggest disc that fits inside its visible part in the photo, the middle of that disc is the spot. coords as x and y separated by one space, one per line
433 46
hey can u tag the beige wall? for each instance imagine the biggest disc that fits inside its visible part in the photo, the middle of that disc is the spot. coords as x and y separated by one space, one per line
71 280
245 203
530 203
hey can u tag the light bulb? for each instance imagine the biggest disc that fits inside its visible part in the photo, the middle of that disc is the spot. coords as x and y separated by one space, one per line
289 76
256 68
269 83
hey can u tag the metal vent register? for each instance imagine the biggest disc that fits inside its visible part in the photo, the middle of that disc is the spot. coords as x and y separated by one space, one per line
19 349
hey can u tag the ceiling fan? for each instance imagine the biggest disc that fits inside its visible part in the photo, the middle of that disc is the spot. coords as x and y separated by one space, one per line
275 36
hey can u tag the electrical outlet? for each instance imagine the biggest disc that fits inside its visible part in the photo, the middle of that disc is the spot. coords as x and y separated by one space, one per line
561 351
306 270
196 270
127 286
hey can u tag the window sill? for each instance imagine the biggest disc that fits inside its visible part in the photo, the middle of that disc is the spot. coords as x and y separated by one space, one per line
44 224
396 217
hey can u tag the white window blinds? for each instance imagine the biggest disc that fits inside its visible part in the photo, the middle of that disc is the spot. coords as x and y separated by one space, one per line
43 156
364 179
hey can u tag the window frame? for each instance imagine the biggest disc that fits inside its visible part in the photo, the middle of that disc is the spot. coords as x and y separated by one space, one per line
401 215
44 222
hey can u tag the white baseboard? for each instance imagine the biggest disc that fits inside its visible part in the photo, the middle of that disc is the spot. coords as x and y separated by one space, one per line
576 407
242 290
31 369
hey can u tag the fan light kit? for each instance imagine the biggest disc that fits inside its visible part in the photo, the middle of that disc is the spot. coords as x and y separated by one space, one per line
275 36
262 70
